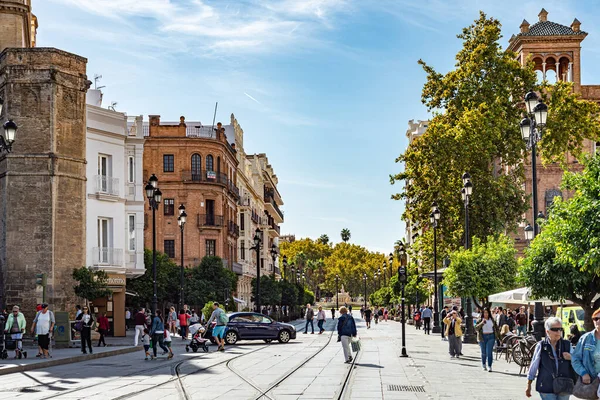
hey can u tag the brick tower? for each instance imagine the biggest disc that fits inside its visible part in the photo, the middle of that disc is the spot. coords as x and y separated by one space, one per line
42 181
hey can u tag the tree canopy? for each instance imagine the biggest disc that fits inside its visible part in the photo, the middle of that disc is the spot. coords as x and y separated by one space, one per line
345 234
91 284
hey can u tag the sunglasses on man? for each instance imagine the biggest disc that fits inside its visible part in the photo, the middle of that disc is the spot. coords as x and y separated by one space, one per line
556 329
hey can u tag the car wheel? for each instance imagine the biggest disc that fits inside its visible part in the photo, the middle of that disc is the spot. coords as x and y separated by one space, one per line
268 340
231 337
284 336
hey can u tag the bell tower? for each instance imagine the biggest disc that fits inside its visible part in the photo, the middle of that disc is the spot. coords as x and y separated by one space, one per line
17 25
554 48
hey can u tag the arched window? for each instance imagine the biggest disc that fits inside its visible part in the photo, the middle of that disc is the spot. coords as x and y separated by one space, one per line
196 167
209 163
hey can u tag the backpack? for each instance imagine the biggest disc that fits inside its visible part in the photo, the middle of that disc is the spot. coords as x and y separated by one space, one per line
223 318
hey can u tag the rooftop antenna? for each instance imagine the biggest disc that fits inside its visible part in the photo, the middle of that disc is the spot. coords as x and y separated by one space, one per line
112 106
214 117
96 79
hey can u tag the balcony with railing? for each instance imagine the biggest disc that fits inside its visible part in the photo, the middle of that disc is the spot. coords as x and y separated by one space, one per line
210 221
255 217
271 205
233 229
244 201
107 185
273 227
107 256
212 177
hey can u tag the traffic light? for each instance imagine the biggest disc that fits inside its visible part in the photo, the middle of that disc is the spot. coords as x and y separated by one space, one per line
402 274
40 280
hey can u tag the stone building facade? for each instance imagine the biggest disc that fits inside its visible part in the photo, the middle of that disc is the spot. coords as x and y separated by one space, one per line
18 26
196 166
555 50
42 182
258 199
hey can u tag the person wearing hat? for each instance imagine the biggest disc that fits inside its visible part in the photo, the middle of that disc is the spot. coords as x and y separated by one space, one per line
15 325
587 352
43 326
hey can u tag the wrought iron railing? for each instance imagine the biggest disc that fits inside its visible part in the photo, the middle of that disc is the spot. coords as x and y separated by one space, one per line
211 220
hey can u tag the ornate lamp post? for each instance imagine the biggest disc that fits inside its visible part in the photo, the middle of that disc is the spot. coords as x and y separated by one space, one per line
285 265
466 193
531 131
384 272
181 221
257 241
293 267
529 232
402 278
434 219
154 196
391 263
337 291
9 134
274 253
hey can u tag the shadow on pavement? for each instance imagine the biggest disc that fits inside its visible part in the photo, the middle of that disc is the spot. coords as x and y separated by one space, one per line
368 365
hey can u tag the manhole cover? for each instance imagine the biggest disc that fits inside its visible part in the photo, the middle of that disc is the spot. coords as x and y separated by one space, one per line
406 388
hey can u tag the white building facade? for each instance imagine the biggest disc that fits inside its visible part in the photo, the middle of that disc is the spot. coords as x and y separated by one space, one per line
115 202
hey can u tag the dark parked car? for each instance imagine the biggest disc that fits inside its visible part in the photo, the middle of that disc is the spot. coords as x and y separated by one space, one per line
255 326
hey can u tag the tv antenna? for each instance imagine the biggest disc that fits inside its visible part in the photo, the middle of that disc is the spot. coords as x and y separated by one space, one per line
112 106
96 79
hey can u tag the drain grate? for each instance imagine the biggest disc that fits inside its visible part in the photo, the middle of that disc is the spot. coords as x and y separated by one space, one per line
406 388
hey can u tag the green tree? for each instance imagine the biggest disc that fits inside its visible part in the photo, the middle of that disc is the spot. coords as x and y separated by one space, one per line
484 269
475 128
210 281
323 239
91 284
345 235
167 280
270 291
563 261
289 293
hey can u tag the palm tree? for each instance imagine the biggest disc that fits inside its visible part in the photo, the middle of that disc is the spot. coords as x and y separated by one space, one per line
345 234
323 239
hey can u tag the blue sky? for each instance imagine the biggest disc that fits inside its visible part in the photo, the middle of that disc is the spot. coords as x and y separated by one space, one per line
324 87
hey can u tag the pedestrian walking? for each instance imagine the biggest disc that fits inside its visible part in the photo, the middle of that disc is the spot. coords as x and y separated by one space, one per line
332 313
219 330
376 315
454 333
321 320
426 315
385 314
309 315
183 322
15 325
127 318
362 312
521 320
167 341
417 319
551 363
172 321
103 326
443 315
145 339
350 309
86 329
139 319
346 328
368 313
157 332
43 326
77 311
586 356
487 332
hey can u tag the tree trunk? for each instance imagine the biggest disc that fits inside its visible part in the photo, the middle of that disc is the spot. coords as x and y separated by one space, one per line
588 324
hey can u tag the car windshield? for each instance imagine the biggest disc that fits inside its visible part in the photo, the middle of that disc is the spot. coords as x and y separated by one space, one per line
580 315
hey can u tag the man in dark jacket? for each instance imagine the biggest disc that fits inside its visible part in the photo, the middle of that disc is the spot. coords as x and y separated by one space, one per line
346 331
310 314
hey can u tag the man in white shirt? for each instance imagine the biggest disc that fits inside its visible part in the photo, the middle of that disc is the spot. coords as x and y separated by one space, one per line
43 326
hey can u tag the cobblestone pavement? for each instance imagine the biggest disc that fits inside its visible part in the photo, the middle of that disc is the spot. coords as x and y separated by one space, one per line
270 371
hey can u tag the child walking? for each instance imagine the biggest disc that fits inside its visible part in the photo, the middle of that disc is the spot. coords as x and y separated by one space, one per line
168 343
146 343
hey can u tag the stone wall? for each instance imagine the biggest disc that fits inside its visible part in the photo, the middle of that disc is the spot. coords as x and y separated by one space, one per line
42 198
15 24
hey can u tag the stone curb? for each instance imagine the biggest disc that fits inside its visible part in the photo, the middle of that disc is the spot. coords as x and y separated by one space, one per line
67 360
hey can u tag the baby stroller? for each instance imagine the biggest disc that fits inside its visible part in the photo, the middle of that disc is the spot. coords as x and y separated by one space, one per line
197 341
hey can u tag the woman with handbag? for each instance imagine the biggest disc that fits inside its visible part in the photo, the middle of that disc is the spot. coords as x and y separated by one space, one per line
346 331
487 333
552 363
586 361
86 329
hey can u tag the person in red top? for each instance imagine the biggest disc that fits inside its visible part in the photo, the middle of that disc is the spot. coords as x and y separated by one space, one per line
102 329
183 323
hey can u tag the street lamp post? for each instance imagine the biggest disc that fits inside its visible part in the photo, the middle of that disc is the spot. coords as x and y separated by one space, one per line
435 217
384 272
10 132
391 264
181 221
257 242
402 278
531 131
337 291
365 279
274 253
154 196
466 193
285 265
293 268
